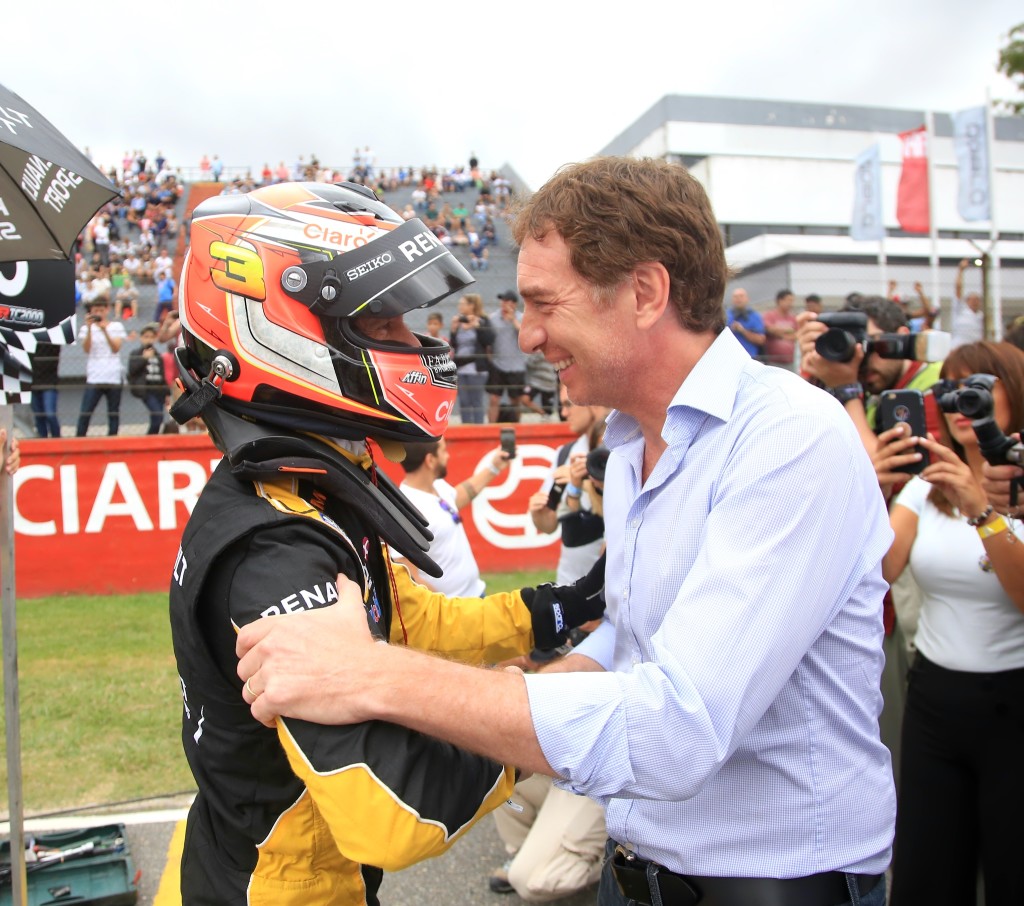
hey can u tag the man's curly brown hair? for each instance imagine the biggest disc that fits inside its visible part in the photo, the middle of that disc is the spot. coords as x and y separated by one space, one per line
615 213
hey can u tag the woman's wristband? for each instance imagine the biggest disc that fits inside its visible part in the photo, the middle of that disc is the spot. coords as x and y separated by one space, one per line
997 525
573 491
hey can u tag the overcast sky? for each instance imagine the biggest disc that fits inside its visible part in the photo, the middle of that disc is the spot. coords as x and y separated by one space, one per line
526 83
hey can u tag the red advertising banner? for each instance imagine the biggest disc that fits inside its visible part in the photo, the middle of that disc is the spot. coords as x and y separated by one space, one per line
104 515
912 208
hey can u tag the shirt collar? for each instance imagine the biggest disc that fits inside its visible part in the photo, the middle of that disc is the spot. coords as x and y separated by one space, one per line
708 390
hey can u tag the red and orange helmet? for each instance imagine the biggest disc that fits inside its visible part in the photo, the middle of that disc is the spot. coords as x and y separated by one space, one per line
275 281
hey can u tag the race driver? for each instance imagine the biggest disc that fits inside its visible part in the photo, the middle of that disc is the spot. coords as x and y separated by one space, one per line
295 353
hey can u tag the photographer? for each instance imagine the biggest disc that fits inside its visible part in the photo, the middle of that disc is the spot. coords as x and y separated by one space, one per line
871 374
425 484
961 788
582 532
472 340
101 341
146 378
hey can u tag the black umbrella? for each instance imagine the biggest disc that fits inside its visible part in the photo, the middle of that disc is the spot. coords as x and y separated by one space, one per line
48 188
48 192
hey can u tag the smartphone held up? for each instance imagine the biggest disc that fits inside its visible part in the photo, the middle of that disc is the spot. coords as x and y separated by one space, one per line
905 407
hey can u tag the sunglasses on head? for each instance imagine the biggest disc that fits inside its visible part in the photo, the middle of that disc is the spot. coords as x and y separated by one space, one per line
451 511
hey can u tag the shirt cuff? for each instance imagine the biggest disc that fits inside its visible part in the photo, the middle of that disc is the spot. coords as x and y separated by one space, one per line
580 725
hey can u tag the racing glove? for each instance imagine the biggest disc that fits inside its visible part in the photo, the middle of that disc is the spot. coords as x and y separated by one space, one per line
556 609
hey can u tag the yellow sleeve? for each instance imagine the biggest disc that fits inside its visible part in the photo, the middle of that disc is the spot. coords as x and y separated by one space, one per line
472 630
388 796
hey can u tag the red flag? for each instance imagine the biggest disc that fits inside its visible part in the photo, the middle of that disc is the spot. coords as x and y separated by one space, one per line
912 197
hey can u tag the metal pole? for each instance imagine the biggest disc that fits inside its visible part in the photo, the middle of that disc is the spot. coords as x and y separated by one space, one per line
882 268
929 122
994 325
8 607
986 320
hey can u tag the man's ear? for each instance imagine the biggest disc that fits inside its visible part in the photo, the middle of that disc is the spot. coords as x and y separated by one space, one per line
651 288
902 330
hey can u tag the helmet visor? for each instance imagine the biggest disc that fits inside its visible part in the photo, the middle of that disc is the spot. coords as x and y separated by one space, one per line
397 272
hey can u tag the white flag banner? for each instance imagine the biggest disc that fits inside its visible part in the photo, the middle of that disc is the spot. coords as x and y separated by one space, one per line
970 141
867 198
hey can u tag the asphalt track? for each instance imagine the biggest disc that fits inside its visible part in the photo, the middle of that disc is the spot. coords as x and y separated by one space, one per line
458 877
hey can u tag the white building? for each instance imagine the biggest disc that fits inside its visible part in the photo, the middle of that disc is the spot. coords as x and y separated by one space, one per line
780 176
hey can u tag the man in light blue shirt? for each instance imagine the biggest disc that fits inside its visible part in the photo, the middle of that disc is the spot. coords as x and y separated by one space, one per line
726 710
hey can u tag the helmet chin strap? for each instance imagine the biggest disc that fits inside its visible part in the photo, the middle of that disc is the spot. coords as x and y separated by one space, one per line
257 451
197 395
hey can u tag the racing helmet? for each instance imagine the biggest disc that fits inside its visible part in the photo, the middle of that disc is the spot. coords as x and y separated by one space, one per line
273 288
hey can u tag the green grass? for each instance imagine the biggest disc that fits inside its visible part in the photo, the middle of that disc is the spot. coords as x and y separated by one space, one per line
100 699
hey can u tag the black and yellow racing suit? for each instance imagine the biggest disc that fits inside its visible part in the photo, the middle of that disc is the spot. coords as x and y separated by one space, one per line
310 814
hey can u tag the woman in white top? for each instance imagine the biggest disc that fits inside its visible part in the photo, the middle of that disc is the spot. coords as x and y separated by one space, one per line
961 793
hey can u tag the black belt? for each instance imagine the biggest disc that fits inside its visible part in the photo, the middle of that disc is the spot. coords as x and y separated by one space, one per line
651 884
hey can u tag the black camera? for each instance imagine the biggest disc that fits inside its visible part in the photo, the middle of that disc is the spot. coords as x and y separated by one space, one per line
972 397
597 461
848 328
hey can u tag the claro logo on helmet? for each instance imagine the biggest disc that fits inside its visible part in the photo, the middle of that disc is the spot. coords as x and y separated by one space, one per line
367 266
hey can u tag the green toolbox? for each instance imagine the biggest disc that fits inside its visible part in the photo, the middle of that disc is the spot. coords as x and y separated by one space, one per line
92 867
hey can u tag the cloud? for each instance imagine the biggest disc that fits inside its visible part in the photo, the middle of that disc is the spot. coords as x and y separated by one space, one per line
534 85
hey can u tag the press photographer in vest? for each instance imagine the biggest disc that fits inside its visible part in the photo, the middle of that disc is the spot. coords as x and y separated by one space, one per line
856 362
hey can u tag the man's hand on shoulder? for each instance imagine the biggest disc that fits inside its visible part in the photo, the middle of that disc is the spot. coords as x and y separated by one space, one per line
293 665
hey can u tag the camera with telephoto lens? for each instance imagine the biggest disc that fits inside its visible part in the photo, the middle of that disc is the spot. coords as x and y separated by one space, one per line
972 397
848 328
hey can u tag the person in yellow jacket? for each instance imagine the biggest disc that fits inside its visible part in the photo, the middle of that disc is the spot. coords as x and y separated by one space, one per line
295 353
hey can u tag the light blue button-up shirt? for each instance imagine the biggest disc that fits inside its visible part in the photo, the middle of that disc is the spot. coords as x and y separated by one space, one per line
736 732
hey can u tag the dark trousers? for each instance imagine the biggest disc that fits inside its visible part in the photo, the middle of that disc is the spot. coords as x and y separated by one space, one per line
961 796
472 398
154 402
44 407
90 399
608 893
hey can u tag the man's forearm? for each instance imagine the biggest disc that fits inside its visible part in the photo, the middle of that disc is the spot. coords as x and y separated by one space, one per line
482 711
469 489
545 520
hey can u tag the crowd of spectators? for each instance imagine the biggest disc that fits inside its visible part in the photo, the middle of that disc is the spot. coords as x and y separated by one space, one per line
126 242
471 226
